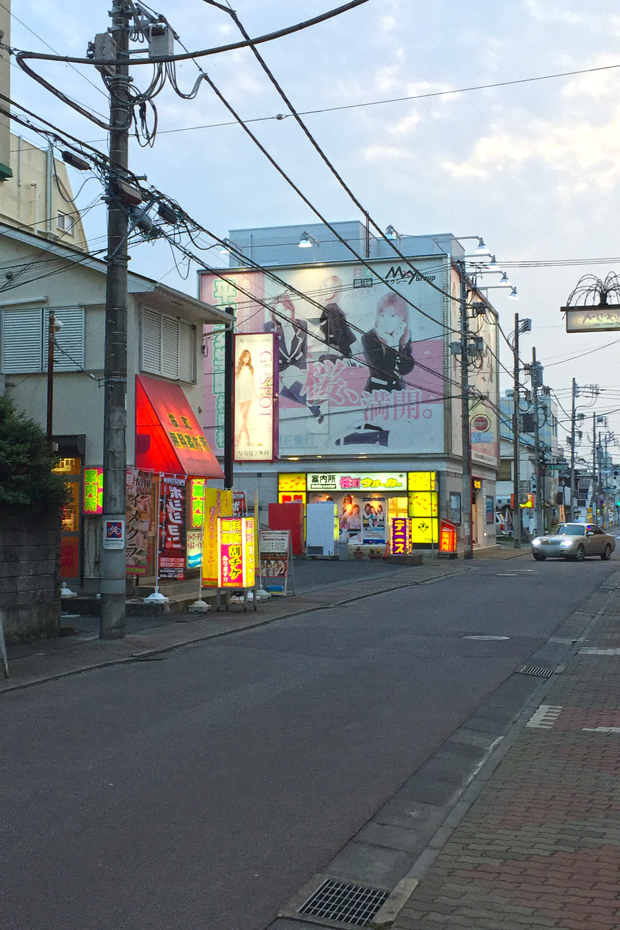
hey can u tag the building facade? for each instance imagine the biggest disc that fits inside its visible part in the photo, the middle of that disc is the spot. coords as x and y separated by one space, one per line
164 392
369 390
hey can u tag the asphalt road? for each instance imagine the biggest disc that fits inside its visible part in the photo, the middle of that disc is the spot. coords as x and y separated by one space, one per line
201 791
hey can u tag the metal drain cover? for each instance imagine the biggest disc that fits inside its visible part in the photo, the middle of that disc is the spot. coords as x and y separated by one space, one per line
345 903
535 670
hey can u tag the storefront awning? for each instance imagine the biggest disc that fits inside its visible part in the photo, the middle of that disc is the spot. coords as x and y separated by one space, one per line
168 436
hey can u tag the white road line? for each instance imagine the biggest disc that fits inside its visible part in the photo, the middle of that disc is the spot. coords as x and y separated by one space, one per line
545 716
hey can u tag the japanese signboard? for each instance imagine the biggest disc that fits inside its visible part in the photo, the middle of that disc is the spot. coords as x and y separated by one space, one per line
194 548
255 404
93 491
236 568
352 481
139 486
239 504
592 319
358 367
447 537
399 536
172 527
197 519
275 549
217 504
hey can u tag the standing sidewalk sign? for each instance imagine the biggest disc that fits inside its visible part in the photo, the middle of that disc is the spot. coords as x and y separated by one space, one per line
447 539
172 527
276 558
236 568
399 536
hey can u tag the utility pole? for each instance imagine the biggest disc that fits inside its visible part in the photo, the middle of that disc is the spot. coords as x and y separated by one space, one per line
113 567
536 383
465 429
594 491
520 326
229 383
572 452
52 325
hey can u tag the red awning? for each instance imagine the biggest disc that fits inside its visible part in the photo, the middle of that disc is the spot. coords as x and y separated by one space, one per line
169 438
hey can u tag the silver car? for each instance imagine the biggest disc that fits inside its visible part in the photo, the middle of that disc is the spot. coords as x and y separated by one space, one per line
573 541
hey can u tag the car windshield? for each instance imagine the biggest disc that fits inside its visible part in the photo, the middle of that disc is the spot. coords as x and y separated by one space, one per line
569 529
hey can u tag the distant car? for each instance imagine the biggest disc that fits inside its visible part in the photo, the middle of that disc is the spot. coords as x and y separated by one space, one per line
500 523
573 541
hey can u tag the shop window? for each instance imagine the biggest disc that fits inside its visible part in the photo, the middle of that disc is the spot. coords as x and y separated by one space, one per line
24 340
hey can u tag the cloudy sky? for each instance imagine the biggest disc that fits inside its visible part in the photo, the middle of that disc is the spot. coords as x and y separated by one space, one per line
534 167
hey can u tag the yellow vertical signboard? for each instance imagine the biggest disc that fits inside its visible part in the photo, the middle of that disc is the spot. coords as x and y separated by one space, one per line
216 504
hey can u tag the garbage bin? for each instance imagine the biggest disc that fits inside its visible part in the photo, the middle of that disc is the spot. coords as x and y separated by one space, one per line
343 550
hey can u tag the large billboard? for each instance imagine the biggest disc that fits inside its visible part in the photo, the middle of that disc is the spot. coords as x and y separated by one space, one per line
361 370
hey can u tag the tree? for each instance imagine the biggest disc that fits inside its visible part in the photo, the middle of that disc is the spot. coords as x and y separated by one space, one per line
27 481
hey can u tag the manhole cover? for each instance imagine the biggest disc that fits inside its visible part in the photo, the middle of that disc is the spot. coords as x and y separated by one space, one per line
345 903
487 637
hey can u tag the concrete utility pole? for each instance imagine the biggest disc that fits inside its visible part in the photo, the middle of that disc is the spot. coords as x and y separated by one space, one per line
536 383
520 326
51 333
465 429
572 452
594 492
229 386
113 567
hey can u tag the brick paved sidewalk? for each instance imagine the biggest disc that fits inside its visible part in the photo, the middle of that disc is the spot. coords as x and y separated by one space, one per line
540 847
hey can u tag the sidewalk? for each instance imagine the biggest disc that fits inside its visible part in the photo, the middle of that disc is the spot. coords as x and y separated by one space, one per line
540 846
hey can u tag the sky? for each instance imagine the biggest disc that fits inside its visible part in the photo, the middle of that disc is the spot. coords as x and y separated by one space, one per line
534 168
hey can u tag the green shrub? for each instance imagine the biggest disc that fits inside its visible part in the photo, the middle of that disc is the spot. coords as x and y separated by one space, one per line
26 477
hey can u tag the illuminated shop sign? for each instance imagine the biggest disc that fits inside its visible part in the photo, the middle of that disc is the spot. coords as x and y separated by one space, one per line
236 564
255 403
592 319
399 536
355 481
93 491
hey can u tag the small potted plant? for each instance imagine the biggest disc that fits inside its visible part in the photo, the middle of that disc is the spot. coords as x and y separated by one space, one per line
358 554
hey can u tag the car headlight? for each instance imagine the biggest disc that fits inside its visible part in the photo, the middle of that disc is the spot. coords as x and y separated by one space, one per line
566 543
536 542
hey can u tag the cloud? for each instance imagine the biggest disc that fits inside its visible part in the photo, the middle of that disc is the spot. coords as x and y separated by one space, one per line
582 153
378 152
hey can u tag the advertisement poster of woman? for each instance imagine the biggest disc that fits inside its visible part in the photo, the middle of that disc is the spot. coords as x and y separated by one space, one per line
373 520
254 397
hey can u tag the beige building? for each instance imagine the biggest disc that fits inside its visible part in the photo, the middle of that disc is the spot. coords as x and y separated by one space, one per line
37 196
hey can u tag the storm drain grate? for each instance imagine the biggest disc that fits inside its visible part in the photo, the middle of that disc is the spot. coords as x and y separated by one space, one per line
345 903
535 670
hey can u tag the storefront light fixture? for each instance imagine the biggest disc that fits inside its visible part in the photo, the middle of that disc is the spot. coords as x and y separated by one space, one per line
225 246
306 241
392 233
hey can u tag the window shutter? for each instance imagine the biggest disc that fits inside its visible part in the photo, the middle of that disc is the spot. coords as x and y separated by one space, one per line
170 348
69 351
151 342
21 341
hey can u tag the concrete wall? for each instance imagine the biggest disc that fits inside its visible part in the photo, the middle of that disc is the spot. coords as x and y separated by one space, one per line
29 578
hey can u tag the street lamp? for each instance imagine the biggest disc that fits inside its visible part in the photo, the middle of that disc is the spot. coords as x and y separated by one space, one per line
54 326
306 241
